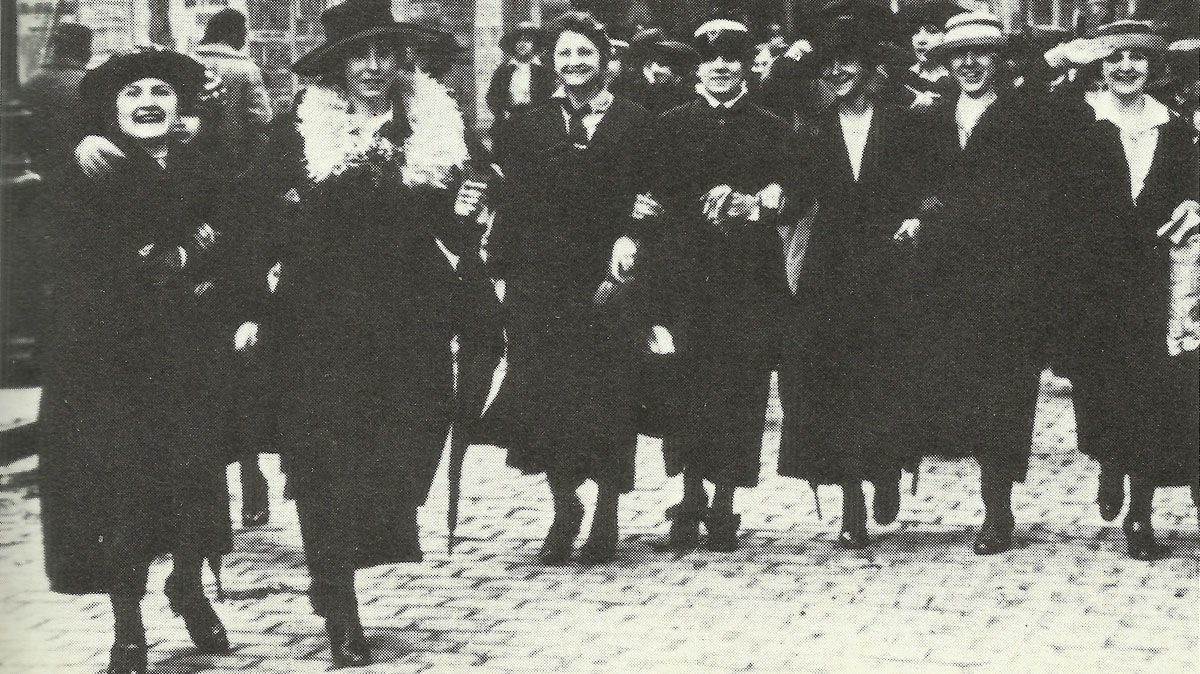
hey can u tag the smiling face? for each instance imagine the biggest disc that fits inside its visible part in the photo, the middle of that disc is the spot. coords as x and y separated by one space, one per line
927 37
722 76
845 76
762 63
147 109
370 71
577 60
975 70
1126 72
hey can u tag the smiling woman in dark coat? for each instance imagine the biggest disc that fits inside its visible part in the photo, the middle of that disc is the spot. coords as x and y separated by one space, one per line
132 462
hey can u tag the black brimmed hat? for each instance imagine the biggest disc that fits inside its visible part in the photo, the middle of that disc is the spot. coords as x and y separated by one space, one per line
723 37
651 44
526 30
354 21
99 87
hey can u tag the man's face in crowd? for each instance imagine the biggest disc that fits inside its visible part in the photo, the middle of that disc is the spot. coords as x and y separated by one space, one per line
147 109
844 75
1126 72
576 60
523 49
371 71
927 37
722 76
975 70
659 74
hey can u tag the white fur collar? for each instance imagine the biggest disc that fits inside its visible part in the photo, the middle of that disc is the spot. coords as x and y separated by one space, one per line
335 139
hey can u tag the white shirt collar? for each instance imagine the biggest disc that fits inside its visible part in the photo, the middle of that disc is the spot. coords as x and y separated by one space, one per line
712 101
600 103
1154 114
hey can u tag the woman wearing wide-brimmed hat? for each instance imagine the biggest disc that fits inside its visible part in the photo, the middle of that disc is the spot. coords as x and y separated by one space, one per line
377 258
838 376
521 81
1131 348
139 335
657 71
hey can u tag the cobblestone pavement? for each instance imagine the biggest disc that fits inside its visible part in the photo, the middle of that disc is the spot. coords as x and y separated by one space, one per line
1065 599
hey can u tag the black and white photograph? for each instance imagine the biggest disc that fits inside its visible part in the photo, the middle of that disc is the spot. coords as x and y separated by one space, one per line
599 336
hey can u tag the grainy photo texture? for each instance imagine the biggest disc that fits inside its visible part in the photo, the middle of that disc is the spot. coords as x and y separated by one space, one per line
576 336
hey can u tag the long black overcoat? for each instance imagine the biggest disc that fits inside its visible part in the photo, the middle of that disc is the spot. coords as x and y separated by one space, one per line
366 309
990 247
131 447
1136 407
839 375
728 292
569 397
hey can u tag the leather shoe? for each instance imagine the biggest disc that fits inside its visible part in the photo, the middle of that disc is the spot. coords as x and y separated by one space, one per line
886 501
601 544
347 645
722 531
560 540
994 537
1139 534
1110 494
202 622
853 538
127 658
685 526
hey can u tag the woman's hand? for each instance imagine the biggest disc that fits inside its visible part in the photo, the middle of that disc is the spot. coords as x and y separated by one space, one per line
908 231
646 207
246 337
470 199
1184 222
97 156
624 257
1078 52
660 341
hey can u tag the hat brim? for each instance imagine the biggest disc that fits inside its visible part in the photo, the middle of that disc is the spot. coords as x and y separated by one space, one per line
946 49
1186 44
316 61
1134 42
182 72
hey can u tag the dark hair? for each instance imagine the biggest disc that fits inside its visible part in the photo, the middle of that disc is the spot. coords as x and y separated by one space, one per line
73 41
227 26
584 24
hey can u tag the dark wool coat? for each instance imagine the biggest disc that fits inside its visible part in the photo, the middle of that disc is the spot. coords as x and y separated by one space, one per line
364 316
132 454
838 374
499 95
1136 407
990 246
568 399
727 292
657 99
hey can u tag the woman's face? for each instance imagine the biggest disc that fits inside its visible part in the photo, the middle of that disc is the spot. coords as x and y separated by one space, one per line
976 70
762 64
927 37
147 109
845 76
576 60
1126 72
371 70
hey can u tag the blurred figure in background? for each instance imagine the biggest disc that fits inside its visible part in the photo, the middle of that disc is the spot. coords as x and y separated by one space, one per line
658 72
926 81
53 97
521 81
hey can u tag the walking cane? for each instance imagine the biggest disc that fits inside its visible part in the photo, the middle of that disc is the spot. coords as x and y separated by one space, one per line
458 455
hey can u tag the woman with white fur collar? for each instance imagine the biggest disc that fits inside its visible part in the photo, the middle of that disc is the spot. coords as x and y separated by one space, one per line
376 234
1131 354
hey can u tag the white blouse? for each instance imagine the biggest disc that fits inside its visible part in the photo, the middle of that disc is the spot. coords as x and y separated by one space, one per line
1139 134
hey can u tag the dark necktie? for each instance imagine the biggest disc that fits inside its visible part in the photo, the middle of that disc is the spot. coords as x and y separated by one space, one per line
576 132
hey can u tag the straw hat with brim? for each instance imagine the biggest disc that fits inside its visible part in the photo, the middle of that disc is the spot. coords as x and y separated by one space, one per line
356 21
99 87
1131 35
526 30
1186 44
975 30
932 14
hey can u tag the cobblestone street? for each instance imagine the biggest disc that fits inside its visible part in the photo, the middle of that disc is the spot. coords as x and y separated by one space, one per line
1066 599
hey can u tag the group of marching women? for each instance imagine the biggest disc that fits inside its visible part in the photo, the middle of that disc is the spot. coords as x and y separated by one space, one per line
908 275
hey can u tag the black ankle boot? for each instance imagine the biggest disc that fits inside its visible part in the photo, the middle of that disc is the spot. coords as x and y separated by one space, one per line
560 539
202 622
853 535
685 525
886 501
127 658
1110 493
722 531
1139 534
347 645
